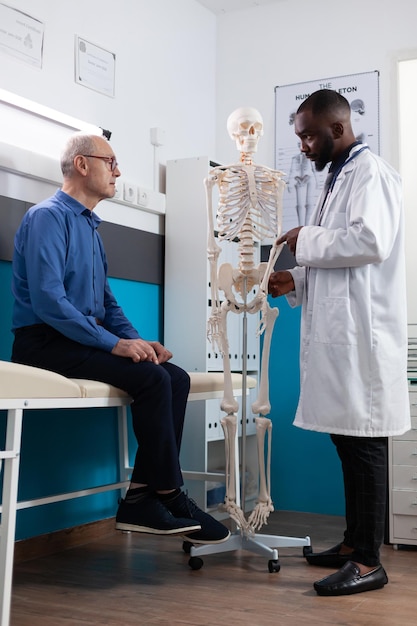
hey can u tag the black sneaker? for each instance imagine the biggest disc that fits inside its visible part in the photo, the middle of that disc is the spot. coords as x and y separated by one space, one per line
149 515
211 531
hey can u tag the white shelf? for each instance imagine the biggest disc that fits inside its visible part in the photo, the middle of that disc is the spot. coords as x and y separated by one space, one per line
403 479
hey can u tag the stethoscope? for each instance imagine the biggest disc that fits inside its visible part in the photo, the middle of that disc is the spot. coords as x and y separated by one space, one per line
339 169
334 178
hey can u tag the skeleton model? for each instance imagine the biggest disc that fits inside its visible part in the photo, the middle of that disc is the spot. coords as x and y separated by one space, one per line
250 209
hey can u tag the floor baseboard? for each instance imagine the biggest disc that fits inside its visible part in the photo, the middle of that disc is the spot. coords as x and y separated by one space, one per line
50 543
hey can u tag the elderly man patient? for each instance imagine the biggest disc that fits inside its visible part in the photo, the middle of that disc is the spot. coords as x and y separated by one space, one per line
66 319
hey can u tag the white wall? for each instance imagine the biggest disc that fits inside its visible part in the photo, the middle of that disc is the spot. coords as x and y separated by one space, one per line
180 68
293 41
299 40
165 74
408 139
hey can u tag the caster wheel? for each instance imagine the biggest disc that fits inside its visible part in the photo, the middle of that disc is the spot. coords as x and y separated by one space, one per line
195 563
274 566
186 546
307 550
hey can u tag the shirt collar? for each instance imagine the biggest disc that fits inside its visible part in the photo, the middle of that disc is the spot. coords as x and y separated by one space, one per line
76 207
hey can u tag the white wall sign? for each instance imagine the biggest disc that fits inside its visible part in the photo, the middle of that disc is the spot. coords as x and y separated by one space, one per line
21 35
94 67
303 182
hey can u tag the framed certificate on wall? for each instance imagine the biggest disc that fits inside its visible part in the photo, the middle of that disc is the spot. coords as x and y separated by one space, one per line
95 67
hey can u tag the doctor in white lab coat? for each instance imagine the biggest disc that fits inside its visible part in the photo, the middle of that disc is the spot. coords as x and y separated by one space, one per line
350 281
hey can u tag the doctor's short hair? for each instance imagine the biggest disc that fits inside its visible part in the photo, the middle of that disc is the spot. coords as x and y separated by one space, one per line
323 101
79 143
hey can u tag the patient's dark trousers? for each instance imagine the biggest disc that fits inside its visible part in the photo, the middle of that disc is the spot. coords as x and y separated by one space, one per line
159 395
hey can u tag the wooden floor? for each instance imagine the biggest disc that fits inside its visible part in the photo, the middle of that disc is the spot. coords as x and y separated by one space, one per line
132 579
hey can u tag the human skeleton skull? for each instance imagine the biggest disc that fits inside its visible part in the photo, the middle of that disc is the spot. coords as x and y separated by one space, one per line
245 126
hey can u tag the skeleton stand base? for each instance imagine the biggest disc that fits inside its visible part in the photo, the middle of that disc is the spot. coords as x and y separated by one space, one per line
263 545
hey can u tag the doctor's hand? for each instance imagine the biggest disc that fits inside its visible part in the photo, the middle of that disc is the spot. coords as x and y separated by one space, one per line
290 238
280 283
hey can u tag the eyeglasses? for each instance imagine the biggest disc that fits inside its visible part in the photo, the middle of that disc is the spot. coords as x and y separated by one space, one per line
110 160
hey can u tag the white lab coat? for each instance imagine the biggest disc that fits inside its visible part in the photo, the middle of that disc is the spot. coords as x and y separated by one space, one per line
351 284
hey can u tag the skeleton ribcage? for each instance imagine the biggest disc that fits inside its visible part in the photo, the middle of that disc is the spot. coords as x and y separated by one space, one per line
248 202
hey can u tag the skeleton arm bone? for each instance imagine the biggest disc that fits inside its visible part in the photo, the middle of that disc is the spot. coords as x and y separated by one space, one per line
273 256
263 287
213 250
276 248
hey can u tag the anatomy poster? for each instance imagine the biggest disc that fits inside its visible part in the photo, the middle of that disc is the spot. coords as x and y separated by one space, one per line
304 183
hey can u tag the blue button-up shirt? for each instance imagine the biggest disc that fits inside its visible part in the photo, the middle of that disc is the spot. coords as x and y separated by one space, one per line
60 275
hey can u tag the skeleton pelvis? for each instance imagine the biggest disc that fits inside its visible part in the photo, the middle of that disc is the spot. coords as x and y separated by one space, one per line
241 281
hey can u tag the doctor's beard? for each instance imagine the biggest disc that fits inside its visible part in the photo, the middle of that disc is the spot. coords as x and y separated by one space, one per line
325 155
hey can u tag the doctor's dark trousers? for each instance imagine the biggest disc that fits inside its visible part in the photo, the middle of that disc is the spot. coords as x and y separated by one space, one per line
159 395
365 467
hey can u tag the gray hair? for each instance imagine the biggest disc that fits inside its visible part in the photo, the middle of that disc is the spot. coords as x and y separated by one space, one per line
80 143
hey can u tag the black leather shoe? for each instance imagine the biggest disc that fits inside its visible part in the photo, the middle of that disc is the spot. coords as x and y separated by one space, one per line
328 558
348 580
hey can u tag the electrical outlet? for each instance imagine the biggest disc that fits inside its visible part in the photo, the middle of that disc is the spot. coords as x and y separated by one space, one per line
129 193
143 197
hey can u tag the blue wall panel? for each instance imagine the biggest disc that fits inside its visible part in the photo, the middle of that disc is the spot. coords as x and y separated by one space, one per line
142 305
306 473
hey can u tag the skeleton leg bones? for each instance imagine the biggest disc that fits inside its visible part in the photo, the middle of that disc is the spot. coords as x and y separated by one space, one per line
229 425
227 280
264 505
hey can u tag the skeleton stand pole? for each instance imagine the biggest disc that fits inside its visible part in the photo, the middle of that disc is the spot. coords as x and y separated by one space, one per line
244 398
